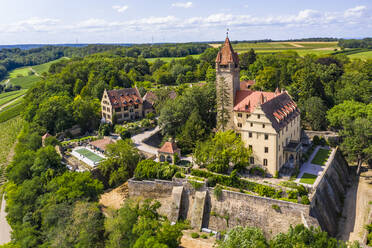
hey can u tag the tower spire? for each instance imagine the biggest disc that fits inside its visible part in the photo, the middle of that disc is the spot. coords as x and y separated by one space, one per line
227 32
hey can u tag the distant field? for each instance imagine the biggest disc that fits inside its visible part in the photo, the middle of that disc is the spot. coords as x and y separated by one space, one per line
169 59
20 72
362 55
45 67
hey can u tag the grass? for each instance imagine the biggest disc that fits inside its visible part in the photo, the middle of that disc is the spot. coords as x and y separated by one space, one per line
8 135
25 82
169 59
20 72
6 97
11 111
90 155
321 157
45 67
362 55
308 178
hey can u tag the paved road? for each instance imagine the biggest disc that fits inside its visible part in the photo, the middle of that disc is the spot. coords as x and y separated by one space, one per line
4 226
139 138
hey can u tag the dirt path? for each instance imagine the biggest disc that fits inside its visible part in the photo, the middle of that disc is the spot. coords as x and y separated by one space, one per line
295 44
356 208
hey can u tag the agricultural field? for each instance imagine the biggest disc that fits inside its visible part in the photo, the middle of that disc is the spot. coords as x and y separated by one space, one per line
169 59
10 96
302 48
8 134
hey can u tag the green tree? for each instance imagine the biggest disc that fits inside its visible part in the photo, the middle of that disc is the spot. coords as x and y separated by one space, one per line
219 152
246 59
267 79
223 104
248 237
315 111
87 112
47 162
122 159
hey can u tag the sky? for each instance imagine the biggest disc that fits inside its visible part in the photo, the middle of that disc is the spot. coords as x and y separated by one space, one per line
146 21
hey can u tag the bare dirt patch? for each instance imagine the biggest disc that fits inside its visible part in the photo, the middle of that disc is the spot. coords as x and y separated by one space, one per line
188 242
115 197
215 45
295 44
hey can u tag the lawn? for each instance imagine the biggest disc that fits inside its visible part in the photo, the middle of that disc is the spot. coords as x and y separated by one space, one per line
20 72
321 157
308 178
90 155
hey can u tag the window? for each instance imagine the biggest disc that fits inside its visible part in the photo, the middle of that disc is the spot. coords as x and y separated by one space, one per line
131 110
136 106
265 162
126 108
251 124
266 136
240 115
286 128
104 108
258 116
126 115
266 149
263 125
117 109
248 115
240 125
250 135
251 147
251 160
279 148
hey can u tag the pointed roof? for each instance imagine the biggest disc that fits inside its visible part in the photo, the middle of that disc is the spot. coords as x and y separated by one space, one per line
227 55
169 147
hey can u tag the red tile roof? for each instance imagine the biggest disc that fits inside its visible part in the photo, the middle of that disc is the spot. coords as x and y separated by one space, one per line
245 85
124 97
102 143
279 108
169 147
227 55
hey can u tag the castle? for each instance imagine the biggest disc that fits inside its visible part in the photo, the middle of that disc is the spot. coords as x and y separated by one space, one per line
268 122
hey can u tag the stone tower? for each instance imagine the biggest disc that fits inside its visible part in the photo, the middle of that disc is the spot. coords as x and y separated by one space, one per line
227 70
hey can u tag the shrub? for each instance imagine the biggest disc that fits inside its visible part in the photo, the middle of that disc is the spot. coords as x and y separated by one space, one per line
204 236
218 192
179 175
275 207
211 181
257 171
292 194
149 169
276 174
316 140
125 134
196 185
195 235
305 200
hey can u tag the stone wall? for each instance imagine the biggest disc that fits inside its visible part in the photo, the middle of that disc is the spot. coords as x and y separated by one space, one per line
327 199
203 209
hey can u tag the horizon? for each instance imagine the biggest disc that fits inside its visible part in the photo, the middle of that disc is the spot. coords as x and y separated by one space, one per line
173 21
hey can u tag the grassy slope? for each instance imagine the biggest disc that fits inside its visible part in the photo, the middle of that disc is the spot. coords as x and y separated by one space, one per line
8 134
11 97
362 55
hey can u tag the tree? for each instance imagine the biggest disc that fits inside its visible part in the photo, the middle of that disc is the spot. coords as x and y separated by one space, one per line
248 237
139 225
149 169
87 112
315 112
355 123
246 59
223 104
46 161
192 132
122 159
219 152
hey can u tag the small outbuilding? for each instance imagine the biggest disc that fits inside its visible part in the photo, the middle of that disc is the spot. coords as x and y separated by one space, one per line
168 152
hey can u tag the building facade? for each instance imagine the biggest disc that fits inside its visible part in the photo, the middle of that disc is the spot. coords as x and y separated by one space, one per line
268 122
123 105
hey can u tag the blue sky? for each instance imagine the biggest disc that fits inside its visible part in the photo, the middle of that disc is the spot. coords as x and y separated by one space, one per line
140 21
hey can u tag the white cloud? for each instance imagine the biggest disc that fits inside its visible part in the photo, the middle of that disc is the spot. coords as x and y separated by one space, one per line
358 11
119 8
182 5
